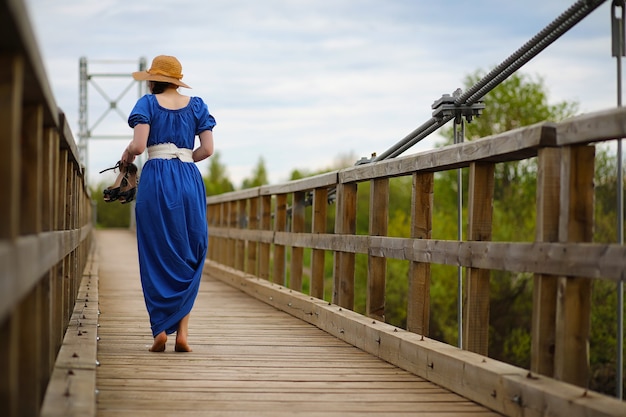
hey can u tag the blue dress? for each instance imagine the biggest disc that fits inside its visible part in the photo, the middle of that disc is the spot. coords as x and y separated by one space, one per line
172 232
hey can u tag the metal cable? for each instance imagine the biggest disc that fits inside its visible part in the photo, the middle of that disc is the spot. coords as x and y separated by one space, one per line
530 49
538 43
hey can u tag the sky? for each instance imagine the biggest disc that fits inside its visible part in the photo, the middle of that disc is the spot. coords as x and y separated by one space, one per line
302 84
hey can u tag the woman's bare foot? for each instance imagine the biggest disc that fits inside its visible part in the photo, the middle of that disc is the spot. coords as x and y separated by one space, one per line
182 346
181 335
159 343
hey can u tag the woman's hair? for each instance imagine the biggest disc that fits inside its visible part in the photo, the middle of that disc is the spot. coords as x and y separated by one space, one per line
157 87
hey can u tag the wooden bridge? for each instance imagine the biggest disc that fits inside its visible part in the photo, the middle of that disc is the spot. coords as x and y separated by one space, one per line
75 333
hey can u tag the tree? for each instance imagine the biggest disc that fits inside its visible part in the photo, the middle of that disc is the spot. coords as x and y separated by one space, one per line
110 214
217 182
259 176
519 101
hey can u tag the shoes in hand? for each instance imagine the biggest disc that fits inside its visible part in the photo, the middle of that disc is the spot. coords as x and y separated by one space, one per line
125 185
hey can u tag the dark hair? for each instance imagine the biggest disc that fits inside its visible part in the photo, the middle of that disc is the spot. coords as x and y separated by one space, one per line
157 87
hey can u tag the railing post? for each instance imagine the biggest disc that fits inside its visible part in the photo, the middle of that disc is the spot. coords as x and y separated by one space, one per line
232 217
212 220
476 325
297 226
574 293
222 222
377 266
11 88
320 203
62 221
345 223
280 225
240 245
264 247
253 224
418 308
31 170
545 286
56 275
11 91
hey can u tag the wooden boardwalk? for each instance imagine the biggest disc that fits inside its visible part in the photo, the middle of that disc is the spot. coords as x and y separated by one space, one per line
249 359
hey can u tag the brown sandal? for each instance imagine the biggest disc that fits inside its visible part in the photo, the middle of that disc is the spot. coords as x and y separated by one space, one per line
112 193
127 191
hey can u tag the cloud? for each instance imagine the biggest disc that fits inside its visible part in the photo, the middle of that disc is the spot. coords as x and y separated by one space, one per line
299 82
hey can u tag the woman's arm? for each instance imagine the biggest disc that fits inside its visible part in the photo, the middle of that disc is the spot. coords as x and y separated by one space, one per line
138 145
206 146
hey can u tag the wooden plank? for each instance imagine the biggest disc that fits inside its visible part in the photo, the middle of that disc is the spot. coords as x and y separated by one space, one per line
265 224
476 322
504 388
231 221
253 224
297 254
71 390
31 170
29 258
26 317
594 260
376 265
573 312
592 127
240 245
11 91
280 225
513 145
345 223
48 195
318 226
545 286
418 306
248 358
9 378
327 179
248 193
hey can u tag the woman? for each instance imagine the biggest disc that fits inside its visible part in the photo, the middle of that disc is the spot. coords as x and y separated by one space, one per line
172 234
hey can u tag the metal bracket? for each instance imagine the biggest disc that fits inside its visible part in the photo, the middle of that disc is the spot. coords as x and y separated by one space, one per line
446 107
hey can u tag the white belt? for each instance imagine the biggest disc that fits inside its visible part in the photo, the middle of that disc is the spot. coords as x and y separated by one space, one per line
170 151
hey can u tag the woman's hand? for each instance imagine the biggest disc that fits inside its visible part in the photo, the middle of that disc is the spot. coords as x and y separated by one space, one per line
127 157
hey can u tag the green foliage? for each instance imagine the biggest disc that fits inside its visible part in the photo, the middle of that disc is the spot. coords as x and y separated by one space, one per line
519 101
259 176
109 214
217 181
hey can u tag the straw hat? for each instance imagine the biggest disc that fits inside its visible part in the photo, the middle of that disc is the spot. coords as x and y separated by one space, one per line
165 69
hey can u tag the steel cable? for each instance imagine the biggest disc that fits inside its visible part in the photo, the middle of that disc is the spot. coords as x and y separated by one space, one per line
529 50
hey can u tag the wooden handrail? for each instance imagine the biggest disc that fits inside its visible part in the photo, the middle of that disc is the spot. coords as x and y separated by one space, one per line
563 251
45 219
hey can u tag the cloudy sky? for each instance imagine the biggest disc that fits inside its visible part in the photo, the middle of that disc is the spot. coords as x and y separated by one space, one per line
301 83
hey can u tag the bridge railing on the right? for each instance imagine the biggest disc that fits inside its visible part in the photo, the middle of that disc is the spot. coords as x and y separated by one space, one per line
250 230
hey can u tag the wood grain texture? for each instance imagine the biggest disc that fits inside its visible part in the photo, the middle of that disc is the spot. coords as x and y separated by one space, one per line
249 359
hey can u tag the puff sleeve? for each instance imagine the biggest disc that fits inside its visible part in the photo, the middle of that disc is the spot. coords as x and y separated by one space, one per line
205 121
141 113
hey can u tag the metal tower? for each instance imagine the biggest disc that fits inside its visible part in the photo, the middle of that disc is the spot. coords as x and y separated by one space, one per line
109 76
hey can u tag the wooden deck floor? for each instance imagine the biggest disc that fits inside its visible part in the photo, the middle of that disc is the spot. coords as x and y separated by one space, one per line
249 359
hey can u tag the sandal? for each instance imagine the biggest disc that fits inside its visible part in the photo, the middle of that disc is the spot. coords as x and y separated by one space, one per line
127 192
112 193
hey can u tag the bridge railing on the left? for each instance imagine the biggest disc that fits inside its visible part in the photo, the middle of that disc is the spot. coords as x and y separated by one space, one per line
45 219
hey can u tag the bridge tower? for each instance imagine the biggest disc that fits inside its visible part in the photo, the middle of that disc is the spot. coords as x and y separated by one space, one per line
105 76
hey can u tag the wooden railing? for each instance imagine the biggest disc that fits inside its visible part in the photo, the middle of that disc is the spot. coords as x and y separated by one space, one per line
249 232
45 219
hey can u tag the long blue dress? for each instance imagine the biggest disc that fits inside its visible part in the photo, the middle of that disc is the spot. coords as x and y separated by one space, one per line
172 232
